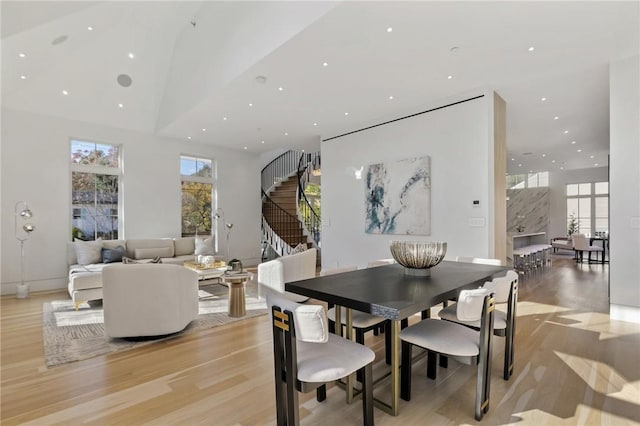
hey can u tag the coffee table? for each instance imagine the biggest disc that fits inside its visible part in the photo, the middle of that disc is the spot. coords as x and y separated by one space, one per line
206 273
236 282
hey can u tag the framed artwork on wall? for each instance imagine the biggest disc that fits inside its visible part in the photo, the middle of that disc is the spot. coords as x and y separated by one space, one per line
398 197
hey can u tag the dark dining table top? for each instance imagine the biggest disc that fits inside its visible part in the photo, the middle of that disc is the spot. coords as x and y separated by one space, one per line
387 292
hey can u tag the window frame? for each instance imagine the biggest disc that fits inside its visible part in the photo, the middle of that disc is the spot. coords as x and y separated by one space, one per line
591 196
96 169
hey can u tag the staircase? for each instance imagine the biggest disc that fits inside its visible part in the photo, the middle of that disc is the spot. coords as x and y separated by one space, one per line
284 203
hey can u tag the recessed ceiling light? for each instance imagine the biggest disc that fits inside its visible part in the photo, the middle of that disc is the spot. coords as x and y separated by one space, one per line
250 105
543 99
531 49
315 124
90 28
389 29
224 118
286 134
596 164
390 98
23 77
519 165
513 159
578 150
553 161
131 55
189 137
124 80
120 105
573 142
566 131
22 55
204 130
325 64
592 156
544 155
561 168
245 147
64 92
449 77
262 141
281 88
556 117
346 113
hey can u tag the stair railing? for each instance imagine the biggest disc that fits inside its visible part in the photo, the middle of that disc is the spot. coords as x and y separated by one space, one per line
279 168
288 224
309 217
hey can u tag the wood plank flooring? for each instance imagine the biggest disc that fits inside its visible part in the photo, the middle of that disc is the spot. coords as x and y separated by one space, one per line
573 366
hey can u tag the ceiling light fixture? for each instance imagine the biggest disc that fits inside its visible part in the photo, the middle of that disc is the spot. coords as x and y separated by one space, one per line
281 88
389 29
513 159
224 118
22 55
519 165
120 105
553 161
544 155
131 55
245 147
531 49
204 130
286 134
596 164
325 64
189 137
543 99
556 117
390 98
449 77
262 141
250 105
561 168
90 28
346 113
64 92
592 156
23 77
566 131
573 142
315 124
578 150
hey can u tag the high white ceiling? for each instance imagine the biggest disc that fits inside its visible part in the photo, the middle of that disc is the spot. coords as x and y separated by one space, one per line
197 63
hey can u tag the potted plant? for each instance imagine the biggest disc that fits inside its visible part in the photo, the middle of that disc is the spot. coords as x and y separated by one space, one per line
573 225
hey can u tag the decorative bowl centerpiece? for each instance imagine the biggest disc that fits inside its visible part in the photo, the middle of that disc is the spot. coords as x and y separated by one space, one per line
418 257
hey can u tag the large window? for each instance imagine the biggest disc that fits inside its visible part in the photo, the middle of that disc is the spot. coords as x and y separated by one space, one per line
588 204
197 194
95 181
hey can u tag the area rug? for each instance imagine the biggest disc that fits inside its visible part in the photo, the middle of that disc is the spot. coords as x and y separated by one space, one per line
71 335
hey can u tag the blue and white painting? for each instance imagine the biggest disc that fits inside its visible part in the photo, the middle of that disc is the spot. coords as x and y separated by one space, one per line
398 197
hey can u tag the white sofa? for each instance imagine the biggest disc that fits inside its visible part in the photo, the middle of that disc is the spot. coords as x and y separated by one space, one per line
148 299
85 281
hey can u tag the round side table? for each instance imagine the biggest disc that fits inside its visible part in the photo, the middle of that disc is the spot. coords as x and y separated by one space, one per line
236 283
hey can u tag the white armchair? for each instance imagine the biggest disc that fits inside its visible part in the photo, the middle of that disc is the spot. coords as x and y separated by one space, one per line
273 275
148 299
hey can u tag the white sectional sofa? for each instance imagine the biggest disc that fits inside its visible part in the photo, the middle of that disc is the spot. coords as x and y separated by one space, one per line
85 281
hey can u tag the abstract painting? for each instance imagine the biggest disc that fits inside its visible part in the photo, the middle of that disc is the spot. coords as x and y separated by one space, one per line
398 197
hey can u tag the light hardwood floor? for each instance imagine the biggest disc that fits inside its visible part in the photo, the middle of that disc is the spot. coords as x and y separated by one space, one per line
573 366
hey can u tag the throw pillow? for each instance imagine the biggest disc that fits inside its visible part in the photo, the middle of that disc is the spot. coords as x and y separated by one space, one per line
112 255
204 246
129 261
88 252
299 248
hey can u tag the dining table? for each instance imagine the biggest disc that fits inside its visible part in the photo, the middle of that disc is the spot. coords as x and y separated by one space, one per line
388 292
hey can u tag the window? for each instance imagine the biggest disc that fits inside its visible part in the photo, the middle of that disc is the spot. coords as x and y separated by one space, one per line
197 195
95 181
588 203
530 180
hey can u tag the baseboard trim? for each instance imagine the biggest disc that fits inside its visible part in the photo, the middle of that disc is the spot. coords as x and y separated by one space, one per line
624 313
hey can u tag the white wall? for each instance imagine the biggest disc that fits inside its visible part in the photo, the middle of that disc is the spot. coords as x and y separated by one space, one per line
558 197
35 168
458 139
625 189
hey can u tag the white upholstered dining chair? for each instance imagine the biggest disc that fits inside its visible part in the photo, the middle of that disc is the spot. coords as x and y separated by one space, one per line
307 356
581 244
447 338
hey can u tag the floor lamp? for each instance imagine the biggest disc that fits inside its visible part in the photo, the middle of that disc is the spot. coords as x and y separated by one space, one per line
220 215
22 229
